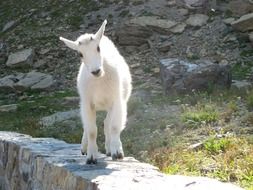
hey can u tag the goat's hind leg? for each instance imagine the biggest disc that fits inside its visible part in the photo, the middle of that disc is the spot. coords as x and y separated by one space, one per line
117 125
107 134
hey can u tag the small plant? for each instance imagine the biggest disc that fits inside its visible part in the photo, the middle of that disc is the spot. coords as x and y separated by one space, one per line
249 100
215 146
227 159
241 70
200 115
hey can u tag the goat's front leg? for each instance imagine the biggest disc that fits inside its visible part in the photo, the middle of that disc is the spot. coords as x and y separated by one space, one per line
90 133
118 121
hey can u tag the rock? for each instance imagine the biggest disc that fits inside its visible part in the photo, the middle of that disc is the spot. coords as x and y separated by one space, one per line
183 12
183 77
7 82
9 25
239 7
132 35
196 146
3 53
244 23
159 25
164 47
44 51
204 5
171 3
44 83
241 85
59 117
32 80
251 37
178 29
22 58
47 163
197 20
35 81
8 108
228 21
194 4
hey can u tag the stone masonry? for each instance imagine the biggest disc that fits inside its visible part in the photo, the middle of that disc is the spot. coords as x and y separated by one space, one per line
28 163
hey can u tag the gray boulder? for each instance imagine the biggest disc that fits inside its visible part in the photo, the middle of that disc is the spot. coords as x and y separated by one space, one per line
7 82
162 26
194 4
35 81
197 20
59 117
21 82
182 77
19 59
132 35
199 5
241 85
244 23
9 25
8 108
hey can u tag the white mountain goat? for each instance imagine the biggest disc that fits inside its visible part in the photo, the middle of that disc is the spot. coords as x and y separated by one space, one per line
104 83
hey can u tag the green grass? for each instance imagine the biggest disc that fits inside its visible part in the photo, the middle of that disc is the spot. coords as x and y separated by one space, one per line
30 110
227 159
241 70
215 146
195 116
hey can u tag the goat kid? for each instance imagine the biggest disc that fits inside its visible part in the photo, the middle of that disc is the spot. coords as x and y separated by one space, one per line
104 83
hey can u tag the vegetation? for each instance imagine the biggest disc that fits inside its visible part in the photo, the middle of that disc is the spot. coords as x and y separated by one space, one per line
227 159
200 114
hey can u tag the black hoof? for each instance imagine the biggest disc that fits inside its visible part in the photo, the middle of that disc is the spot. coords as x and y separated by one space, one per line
91 160
83 153
118 156
108 154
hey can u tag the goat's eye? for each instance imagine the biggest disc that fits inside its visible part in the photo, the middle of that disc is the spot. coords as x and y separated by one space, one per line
98 49
80 54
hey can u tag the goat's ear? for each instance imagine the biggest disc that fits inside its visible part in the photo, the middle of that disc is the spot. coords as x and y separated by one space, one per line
101 31
71 44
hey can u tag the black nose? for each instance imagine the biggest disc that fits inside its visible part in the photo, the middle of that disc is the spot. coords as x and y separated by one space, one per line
96 72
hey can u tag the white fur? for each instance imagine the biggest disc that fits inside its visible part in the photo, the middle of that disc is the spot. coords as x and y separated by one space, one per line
109 91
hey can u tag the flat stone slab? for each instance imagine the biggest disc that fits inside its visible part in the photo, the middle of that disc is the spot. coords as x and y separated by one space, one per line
8 108
23 58
243 24
24 81
179 76
155 23
59 117
47 163
197 20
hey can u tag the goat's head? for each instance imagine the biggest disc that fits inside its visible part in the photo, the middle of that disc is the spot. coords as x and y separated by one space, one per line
88 47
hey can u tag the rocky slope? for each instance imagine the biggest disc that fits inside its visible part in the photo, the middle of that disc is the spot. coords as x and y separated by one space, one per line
38 73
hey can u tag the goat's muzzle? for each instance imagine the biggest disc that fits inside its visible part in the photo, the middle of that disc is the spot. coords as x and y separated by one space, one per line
97 73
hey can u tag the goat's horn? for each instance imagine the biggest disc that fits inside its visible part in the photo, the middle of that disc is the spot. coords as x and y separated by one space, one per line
69 43
101 30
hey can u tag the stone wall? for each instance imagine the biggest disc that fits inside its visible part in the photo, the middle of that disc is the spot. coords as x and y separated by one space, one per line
28 163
